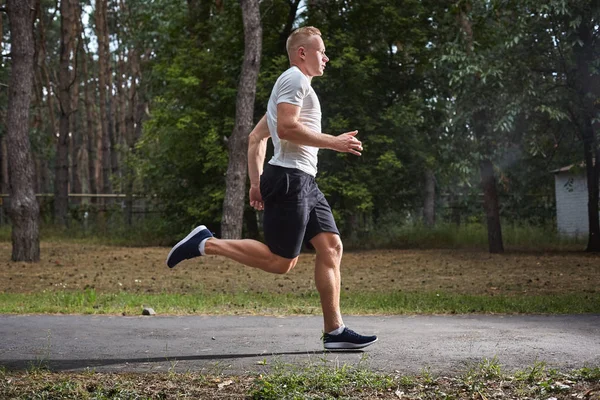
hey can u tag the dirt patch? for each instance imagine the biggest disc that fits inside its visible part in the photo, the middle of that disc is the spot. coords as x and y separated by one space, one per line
72 266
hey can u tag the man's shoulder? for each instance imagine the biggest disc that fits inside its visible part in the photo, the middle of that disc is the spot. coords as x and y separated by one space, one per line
293 74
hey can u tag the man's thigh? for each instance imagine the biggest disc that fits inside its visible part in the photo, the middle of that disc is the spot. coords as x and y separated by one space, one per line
320 221
284 226
287 209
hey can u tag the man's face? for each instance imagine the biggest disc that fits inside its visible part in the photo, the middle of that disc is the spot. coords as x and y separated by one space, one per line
315 56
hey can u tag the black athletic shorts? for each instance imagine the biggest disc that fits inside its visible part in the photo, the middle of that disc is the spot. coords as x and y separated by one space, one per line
295 210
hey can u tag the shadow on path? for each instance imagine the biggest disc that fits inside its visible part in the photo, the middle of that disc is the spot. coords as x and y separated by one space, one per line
65 365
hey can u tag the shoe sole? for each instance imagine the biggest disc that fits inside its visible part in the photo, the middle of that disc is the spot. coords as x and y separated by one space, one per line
182 241
347 345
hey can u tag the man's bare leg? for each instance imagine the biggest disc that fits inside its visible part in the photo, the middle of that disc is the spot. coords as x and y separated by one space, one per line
327 277
251 253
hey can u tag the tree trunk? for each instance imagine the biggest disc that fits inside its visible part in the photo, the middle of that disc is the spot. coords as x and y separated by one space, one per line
103 140
287 29
66 79
4 181
44 75
429 201
592 164
237 170
122 108
4 187
486 168
588 88
90 136
491 206
77 133
112 119
24 210
76 185
45 177
39 122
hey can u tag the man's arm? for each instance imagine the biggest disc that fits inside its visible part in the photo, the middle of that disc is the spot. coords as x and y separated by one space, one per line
290 128
257 148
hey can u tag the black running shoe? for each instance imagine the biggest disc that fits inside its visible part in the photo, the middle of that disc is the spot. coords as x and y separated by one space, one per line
348 339
188 247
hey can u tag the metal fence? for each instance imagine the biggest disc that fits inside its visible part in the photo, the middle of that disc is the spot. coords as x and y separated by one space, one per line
88 210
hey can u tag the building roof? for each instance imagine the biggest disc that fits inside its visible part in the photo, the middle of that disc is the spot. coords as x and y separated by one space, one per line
568 167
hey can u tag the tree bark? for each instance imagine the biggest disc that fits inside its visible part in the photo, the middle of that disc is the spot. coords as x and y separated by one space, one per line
588 89
112 121
44 79
103 166
66 75
591 167
491 206
4 187
24 209
39 123
90 136
76 184
287 29
429 201
4 181
77 132
237 170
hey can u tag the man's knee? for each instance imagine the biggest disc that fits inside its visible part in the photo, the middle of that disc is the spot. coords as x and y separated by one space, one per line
328 244
283 265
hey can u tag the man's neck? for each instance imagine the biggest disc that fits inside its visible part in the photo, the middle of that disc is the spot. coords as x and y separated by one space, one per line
304 72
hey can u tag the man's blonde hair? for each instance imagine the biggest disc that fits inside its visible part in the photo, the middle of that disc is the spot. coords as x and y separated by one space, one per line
299 37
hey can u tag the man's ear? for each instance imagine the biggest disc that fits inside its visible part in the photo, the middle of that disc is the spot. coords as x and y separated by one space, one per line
301 51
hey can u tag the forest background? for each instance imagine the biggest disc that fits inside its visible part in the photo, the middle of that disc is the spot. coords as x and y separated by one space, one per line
140 110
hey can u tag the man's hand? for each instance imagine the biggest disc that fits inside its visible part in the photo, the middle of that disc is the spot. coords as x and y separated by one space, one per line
256 200
347 143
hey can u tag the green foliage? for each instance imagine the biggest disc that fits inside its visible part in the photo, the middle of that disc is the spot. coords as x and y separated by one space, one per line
378 82
182 156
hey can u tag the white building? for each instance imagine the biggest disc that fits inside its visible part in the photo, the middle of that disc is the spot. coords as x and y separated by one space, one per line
570 185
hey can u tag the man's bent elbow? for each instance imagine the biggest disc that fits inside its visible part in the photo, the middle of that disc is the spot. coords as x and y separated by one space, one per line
253 138
283 133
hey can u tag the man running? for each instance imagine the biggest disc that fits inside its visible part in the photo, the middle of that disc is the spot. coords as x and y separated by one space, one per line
295 210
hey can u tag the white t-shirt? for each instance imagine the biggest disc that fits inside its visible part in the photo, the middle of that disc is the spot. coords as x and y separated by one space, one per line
293 87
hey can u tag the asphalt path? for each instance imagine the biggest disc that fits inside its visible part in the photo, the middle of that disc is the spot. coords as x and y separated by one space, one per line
254 344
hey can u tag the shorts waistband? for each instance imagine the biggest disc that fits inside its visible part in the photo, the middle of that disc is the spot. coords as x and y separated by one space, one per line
293 171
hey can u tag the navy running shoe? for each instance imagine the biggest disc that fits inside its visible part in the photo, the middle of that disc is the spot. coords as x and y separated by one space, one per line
347 340
188 247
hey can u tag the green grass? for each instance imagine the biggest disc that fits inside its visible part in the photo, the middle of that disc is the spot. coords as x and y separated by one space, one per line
321 380
90 302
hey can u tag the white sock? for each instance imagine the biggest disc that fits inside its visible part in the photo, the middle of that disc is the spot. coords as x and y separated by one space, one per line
338 330
201 246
